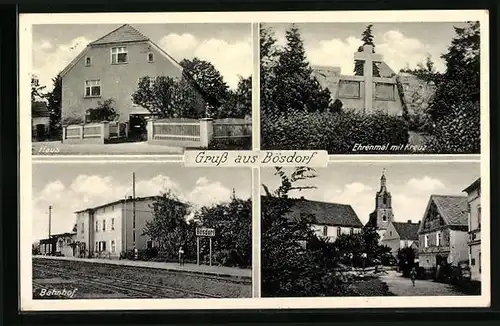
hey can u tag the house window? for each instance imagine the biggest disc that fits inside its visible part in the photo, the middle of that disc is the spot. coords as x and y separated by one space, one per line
88 61
112 224
426 241
92 88
96 226
113 246
438 238
151 57
83 227
97 246
473 262
119 55
150 244
104 225
390 233
134 236
325 231
479 217
384 218
339 231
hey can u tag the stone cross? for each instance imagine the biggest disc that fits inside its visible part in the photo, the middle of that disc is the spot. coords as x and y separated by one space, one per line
368 58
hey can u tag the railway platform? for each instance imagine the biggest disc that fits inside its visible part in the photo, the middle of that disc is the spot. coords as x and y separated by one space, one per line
189 268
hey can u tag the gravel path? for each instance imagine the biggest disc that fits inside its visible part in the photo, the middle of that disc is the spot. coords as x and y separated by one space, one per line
401 286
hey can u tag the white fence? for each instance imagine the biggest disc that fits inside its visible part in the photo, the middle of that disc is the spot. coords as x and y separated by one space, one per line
197 133
95 132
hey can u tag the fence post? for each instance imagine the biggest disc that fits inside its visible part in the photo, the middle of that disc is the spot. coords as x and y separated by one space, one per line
82 128
105 130
206 131
150 129
64 131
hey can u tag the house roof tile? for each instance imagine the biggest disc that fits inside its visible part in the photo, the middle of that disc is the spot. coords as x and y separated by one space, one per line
453 209
326 213
122 34
406 231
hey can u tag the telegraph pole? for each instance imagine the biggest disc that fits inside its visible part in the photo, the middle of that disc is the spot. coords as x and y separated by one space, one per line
133 204
50 218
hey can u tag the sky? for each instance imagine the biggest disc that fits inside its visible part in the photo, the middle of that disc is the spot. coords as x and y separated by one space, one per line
227 46
400 44
72 187
410 185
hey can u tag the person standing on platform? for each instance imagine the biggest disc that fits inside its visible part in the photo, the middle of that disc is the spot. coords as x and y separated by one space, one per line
181 256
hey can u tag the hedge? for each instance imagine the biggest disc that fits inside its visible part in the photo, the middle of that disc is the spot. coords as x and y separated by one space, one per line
335 132
458 132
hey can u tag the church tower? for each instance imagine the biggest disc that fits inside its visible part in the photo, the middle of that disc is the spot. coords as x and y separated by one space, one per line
382 215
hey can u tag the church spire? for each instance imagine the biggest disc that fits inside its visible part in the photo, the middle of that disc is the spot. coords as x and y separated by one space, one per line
383 180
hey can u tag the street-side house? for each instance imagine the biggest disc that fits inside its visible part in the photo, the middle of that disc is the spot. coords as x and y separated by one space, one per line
401 235
110 68
115 227
443 237
58 245
330 220
40 121
474 206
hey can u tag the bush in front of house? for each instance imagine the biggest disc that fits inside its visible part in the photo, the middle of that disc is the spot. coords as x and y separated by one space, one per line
335 132
457 132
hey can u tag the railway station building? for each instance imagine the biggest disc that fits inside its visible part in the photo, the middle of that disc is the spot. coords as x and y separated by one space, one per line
109 229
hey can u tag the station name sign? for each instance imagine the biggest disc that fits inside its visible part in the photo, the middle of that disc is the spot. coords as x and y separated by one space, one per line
205 232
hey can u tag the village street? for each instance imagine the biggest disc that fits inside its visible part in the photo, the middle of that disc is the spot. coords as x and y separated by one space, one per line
401 286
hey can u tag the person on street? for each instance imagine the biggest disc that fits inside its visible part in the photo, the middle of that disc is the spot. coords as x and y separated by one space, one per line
181 256
413 275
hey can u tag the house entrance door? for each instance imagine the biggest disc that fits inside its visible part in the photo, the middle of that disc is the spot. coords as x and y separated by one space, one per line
138 127
40 132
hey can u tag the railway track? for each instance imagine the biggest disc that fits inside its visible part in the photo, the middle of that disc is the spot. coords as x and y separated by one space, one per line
132 288
226 279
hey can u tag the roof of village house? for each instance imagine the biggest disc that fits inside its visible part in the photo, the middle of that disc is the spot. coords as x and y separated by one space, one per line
407 231
453 209
117 202
326 213
122 34
39 110
476 184
128 34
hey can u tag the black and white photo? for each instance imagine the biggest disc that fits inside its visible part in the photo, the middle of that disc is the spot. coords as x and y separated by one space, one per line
381 88
137 232
140 88
370 229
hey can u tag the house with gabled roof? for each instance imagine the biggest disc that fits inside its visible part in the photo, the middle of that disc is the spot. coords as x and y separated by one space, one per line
443 232
110 68
328 220
474 201
401 235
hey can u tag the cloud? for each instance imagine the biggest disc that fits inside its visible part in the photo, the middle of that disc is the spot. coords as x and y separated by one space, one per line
425 184
92 190
49 60
232 59
397 50
207 193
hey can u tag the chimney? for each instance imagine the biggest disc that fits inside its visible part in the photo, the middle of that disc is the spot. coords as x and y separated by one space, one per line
301 197
409 221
